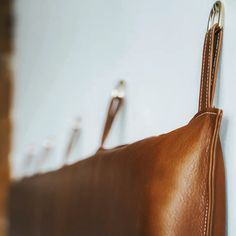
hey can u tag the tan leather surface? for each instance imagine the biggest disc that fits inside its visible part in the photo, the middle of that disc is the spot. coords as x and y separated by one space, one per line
162 185
167 185
219 218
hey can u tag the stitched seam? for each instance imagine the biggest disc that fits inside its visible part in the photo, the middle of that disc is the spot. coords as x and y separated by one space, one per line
212 173
208 69
203 69
214 62
207 197
204 113
205 217
210 199
217 46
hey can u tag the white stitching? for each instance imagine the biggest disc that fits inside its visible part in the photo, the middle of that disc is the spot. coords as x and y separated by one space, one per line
214 62
203 68
208 68
207 195
217 46
204 113
205 219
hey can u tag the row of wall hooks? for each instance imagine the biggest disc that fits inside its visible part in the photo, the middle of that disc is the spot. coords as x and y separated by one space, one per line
34 161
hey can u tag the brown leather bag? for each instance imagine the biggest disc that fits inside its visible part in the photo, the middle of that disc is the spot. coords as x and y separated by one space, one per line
166 185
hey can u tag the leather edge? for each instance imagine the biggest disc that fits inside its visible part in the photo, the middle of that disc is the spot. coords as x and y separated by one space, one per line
211 173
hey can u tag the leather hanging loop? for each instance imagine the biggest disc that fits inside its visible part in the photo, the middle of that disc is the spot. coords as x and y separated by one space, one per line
211 55
74 137
210 63
115 105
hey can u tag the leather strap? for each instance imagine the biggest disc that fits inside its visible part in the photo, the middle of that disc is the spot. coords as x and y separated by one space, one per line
113 109
210 62
74 137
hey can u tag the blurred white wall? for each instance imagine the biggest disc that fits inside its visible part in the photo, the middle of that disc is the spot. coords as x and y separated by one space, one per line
70 54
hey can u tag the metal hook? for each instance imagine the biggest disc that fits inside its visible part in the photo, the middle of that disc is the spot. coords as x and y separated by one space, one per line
119 91
216 15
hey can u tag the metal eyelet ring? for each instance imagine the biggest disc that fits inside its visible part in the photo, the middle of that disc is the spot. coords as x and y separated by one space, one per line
216 15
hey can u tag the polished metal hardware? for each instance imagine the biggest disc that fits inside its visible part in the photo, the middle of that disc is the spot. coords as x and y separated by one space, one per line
216 15
119 91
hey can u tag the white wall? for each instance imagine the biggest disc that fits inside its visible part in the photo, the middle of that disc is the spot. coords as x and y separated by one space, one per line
70 54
